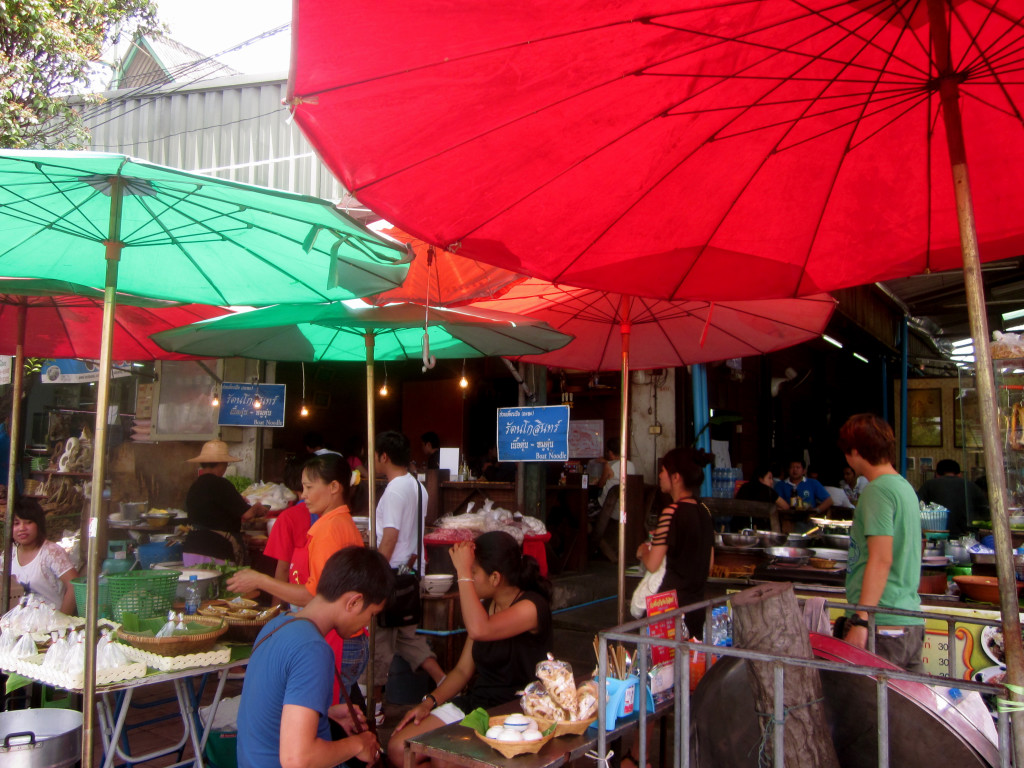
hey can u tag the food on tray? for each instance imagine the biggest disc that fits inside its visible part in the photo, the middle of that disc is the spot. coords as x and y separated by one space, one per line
558 680
537 702
586 700
515 728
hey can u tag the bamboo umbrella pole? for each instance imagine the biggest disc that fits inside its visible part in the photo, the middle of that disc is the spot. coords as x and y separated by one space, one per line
949 93
624 308
371 493
18 379
99 466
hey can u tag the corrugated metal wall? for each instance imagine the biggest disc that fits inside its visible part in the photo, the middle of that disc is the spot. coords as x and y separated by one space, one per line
235 128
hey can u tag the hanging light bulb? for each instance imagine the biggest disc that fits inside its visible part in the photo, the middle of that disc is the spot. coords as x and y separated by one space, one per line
257 404
214 401
383 391
304 411
463 382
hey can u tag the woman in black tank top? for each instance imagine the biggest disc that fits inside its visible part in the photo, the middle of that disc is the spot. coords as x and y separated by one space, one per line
684 537
509 633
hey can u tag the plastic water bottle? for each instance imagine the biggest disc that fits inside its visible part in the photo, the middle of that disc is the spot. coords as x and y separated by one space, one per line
192 596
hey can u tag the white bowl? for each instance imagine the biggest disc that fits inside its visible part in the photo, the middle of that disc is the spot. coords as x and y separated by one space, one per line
438 583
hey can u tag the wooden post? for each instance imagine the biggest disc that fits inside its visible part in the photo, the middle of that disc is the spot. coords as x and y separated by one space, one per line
768 619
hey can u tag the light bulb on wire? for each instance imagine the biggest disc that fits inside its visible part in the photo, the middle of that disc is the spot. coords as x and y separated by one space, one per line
383 391
304 411
257 404
215 401
463 382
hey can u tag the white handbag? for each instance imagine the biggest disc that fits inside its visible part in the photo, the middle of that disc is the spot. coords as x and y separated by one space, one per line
649 585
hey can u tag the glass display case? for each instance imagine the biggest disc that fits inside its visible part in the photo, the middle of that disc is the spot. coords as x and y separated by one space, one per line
1009 380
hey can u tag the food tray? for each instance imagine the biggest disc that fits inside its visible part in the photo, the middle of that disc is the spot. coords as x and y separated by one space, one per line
565 727
732 571
512 748
33 667
219 654
180 645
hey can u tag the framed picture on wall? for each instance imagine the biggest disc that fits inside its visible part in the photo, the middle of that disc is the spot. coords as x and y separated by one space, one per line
924 411
966 418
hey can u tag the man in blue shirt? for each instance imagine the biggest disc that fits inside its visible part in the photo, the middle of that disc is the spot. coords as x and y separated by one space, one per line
286 697
813 497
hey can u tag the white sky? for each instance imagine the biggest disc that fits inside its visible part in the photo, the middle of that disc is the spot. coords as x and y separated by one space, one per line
211 26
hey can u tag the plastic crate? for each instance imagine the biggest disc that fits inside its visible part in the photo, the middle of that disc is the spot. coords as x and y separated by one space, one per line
102 601
147 594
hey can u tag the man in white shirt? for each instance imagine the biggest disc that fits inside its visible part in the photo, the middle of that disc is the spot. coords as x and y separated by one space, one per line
398 531
609 480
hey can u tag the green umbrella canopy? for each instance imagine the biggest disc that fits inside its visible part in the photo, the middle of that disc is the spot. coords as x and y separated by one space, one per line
185 237
337 331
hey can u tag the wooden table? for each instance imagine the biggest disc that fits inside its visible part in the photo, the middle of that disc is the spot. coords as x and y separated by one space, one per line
458 744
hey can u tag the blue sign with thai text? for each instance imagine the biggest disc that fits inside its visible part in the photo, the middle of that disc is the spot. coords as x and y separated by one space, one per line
538 433
238 405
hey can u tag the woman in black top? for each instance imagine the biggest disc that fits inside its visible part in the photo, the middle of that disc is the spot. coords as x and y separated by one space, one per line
215 508
684 537
509 633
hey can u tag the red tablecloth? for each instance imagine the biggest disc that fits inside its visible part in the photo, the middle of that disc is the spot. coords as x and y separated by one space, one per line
533 545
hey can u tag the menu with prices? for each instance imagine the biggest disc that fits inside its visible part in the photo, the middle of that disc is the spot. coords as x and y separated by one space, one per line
663 602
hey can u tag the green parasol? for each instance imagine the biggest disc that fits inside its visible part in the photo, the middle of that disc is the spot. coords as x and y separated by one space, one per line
109 222
352 331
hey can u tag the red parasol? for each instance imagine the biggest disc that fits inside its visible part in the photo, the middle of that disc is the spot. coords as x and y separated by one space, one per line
665 334
69 326
674 150
442 279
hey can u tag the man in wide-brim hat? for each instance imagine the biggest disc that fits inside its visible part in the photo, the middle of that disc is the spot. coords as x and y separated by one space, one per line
215 510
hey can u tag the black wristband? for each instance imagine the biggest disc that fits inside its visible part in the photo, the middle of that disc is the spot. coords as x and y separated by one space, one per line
854 620
432 697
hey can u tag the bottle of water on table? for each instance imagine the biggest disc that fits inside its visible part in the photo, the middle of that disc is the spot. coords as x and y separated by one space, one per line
192 595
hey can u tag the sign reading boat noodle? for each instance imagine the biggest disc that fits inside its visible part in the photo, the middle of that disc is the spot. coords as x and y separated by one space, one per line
534 433
237 405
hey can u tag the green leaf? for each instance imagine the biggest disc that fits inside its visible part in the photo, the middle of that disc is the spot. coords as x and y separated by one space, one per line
14 682
478 720
550 729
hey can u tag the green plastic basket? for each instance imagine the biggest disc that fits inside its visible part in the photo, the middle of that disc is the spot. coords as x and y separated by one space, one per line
102 601
147 594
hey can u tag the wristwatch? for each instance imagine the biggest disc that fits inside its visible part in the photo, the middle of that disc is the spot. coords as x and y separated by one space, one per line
854 620
432 698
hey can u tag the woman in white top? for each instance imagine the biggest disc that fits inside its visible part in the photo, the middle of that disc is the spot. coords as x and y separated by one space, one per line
38 565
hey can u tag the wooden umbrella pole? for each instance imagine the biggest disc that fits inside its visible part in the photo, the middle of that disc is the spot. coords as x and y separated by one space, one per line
18 378
623 454
992 442
97 513
371 492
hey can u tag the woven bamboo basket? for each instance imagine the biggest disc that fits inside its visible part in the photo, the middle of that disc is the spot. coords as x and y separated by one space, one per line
565 727
246 630
180 644
512 748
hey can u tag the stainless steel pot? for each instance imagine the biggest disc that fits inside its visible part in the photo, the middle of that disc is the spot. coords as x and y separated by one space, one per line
789 555
132 510
837 540
40 738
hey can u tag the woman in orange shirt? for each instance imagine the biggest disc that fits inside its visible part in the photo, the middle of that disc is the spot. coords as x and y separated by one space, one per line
325 481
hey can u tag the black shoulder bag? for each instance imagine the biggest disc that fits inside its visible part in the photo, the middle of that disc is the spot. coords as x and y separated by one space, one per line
404 608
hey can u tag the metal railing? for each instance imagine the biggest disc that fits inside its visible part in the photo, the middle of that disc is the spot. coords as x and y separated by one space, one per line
635 632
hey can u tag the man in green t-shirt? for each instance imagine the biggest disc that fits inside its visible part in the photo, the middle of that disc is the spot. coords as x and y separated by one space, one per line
884 568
